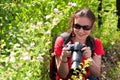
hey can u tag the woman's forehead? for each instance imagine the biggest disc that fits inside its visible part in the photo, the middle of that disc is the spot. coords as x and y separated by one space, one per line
82 20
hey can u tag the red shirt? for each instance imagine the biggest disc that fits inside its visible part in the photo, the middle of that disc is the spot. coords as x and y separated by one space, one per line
58 49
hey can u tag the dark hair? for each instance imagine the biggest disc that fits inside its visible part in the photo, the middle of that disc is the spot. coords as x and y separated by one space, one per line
84 12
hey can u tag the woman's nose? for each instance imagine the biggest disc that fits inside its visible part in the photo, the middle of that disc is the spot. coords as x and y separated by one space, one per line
81 30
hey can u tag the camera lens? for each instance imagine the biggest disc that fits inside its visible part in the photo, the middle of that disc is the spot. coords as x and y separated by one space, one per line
76 58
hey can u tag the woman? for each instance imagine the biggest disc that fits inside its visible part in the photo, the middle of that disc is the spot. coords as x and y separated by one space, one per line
82 23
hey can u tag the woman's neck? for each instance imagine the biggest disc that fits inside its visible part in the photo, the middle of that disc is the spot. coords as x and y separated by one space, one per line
82 41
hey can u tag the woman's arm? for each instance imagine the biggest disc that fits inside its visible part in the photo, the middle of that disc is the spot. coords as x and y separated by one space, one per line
62 66
95 66
61 58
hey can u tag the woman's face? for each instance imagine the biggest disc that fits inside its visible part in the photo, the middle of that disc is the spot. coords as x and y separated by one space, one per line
82 28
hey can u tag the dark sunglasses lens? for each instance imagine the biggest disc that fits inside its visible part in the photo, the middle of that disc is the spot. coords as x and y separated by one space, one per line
77 26
86 27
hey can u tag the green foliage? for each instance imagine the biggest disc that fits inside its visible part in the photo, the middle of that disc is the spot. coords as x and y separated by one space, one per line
27 28
79 72
115 72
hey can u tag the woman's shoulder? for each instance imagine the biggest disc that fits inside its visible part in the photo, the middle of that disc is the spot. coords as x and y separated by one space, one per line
97 40
59 40
63 37
98 46
58 45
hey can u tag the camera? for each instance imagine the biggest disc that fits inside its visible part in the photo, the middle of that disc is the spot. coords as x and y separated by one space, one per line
76 56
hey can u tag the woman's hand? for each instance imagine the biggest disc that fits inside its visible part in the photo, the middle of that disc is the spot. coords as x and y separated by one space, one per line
62 63
65 53
86 52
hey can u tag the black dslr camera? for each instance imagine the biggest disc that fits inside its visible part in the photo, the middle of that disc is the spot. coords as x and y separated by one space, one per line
76 56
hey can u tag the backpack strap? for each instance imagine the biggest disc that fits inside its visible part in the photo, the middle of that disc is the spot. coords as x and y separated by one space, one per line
67 37
90 42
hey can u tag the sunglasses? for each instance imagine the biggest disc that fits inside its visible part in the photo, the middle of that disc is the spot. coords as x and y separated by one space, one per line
85 27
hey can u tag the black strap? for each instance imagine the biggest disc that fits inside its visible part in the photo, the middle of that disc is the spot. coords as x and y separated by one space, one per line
67 37
90 43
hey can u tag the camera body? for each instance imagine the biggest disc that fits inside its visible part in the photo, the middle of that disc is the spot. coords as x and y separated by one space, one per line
76 56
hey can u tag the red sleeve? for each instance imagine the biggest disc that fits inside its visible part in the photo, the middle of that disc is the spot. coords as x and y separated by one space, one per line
98 47
58 46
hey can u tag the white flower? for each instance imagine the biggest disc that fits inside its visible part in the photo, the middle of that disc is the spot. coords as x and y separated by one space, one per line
56 10
33 26
112 42
39 23
16 45
15 66
48 32
27 30
29 73
72 4
12 53
26 78
47 17
1 24
25 53
55 20
12 59
27 58
40 57
28 48
32 44
7 59
61 13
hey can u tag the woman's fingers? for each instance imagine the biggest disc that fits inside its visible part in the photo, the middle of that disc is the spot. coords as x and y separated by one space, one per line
86 52
66 52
